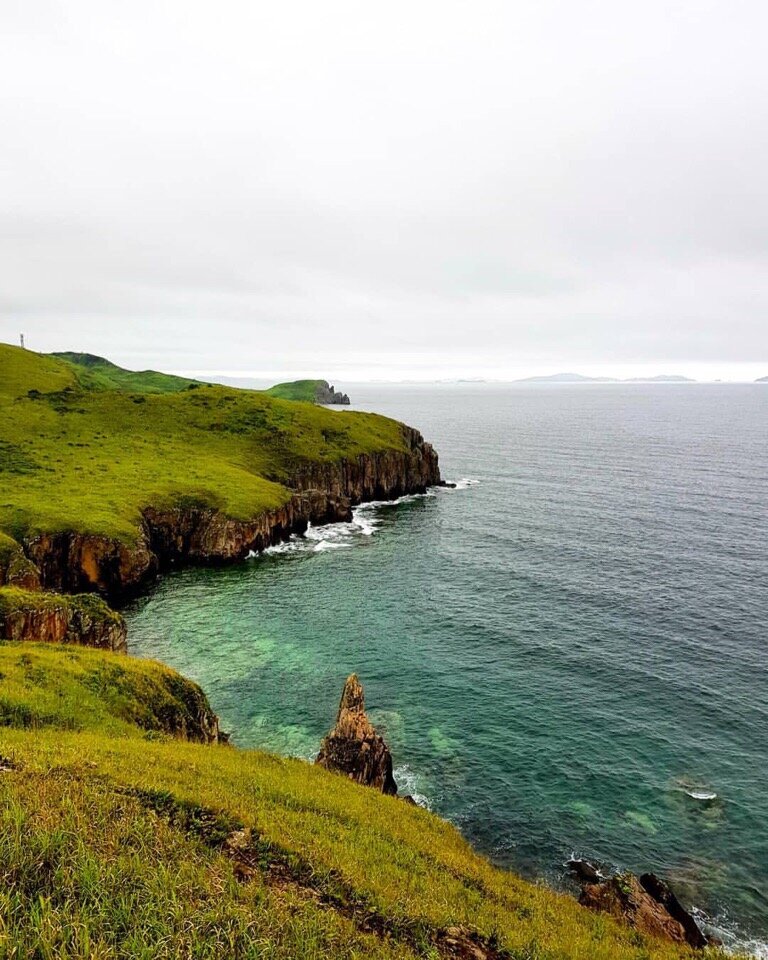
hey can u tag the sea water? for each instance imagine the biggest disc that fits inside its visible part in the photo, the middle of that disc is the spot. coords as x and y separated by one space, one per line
567 653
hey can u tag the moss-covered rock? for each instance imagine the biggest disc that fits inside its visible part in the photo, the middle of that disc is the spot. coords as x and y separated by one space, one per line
16 570
27 615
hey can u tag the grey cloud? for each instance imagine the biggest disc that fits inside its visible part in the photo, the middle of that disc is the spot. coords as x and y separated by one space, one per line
540 181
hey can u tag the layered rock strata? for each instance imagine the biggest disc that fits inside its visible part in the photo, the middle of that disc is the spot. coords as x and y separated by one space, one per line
354 748
46 618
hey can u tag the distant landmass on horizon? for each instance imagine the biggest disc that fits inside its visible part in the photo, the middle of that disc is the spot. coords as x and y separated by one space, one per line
580 378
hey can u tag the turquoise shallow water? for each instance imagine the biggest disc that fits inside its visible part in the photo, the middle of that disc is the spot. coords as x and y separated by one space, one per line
561 652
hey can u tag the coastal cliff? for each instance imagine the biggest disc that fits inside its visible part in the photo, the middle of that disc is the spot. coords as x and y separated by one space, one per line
53 618
73 562
111 476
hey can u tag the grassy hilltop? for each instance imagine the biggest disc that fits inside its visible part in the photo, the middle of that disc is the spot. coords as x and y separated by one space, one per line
118 839
85 445
99 374
305 390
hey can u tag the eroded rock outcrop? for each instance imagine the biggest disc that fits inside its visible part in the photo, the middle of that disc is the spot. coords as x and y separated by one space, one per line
73 562
327 393
353 747
188 714
645 903
46 618
16 570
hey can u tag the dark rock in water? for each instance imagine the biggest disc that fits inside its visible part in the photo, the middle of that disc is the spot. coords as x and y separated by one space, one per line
585 871
353 747
662 894
646 904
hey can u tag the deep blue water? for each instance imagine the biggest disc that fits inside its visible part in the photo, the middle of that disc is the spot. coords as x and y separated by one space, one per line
560 652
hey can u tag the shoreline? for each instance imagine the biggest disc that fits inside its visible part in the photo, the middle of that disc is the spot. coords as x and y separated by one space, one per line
734 939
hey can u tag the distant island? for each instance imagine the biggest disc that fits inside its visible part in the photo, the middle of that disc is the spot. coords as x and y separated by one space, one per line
762 380
567 378
311 391
580 378
661 378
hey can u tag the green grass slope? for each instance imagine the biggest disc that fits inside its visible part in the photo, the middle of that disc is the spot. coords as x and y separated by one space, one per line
119 842
75 688
75 457
305 390
96 373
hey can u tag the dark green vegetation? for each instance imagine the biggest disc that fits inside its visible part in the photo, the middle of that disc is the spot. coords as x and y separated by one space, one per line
77 454
306 390
13 599
118 839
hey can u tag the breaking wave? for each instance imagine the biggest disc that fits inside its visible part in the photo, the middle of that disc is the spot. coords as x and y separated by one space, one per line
365 522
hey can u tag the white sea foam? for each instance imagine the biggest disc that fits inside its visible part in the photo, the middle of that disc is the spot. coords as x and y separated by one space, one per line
731 937
701 795
365 522
407 785
464 483
366 519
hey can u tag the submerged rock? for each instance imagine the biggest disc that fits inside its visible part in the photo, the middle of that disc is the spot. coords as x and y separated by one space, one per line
584 871
353 747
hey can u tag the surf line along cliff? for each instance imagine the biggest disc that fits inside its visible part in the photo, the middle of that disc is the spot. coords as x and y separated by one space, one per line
322 492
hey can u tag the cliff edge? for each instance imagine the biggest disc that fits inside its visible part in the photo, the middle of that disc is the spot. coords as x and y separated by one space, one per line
110 476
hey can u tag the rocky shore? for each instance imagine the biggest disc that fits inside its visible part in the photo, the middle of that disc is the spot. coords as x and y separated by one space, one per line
73 562
355 750
646 903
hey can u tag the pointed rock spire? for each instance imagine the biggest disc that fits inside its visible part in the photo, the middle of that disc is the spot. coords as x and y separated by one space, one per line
353 747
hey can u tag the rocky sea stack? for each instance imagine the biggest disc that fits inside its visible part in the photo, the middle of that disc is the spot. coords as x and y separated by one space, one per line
353 747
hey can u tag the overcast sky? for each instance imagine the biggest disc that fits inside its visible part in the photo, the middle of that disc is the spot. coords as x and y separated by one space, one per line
402 189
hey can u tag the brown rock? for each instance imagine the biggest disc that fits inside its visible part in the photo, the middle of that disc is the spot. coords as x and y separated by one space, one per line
60 621
662 894
626 898
353 747
17 571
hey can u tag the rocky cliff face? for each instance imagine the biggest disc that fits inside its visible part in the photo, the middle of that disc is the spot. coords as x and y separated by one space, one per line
44 618
323 493
16 570
326 393
353 747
